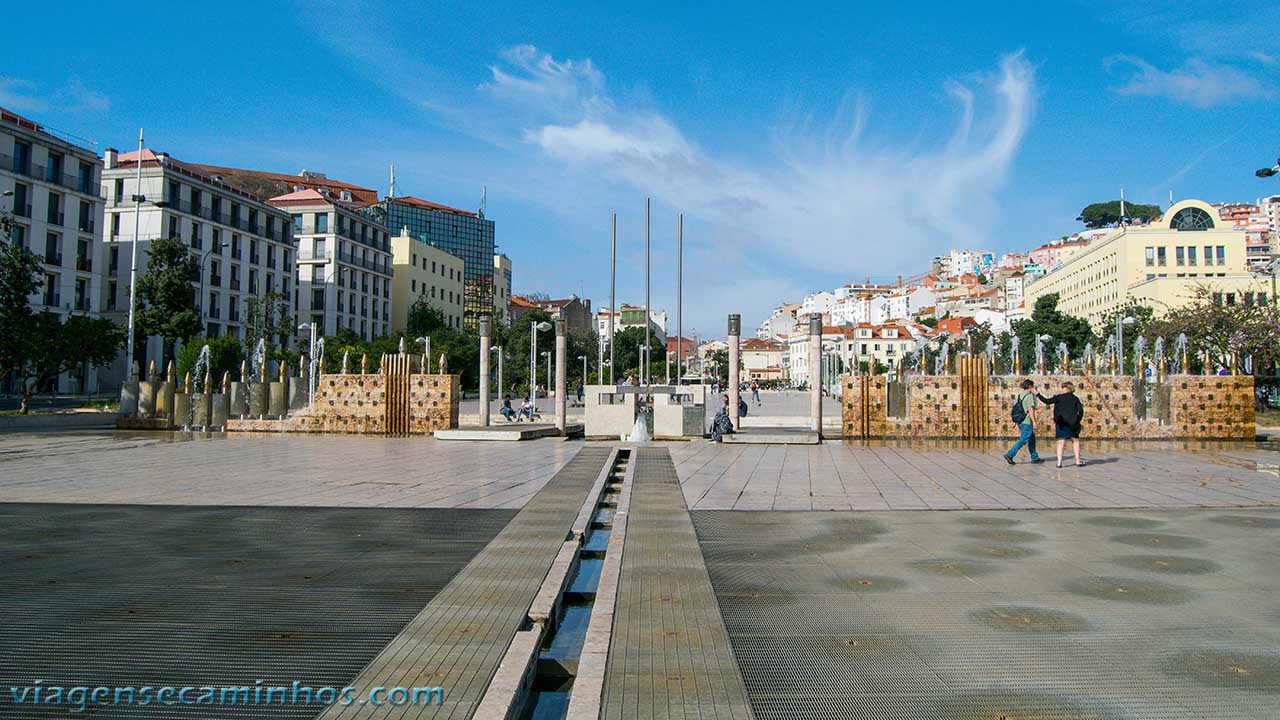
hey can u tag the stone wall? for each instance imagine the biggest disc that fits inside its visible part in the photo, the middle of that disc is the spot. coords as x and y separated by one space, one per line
353 404
1185 406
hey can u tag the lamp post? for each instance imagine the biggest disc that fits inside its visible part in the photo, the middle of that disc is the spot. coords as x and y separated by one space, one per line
426 354
498 350
534 328
1269 172
668 363
547 354
644 352
583 358
1120 323
311 370
138 197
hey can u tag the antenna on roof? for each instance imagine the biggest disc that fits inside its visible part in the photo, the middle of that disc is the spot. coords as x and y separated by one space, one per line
392 193
484 197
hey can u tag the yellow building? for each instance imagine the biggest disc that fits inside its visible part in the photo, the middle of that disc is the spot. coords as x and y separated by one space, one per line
1159 265
420 269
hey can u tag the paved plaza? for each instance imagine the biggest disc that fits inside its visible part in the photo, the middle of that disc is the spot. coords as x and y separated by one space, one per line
843 580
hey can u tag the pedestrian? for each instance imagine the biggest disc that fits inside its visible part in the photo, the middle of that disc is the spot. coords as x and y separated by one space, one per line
507 412
1068 413
722 425
581 389
1023 414
755 392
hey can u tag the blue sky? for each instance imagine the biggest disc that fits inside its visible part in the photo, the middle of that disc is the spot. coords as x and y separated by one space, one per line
807 145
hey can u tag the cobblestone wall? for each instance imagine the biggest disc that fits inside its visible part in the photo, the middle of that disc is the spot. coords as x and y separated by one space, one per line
353 404
1185 406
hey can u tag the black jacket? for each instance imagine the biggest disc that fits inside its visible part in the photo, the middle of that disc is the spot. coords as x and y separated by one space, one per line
1068 411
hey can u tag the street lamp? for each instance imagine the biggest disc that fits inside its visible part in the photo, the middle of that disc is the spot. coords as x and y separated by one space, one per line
668 362
1269 172
138 199
1120 323
498 350
583 358
534 328
547 355
426 357
644 352
311 371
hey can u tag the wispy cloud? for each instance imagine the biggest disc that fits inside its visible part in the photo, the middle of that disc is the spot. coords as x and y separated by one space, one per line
20 96
842 201
1197 82
74 96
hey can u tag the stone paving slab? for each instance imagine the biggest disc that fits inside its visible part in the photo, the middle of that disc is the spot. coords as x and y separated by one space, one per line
955 476
458 641
669 656
291 470
962 615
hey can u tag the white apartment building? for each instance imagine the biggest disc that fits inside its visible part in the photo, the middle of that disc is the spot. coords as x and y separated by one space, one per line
884 344
423 270
629 316
905 303
501 289
344 264
798 351
1014 287
244 245
57 213
782 321
817 303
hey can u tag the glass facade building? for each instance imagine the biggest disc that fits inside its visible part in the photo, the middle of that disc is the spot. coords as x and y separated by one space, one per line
460 233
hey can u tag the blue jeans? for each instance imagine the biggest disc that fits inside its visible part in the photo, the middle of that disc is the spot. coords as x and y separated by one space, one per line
1028 438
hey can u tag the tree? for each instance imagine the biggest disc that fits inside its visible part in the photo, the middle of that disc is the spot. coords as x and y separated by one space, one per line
1046 319
225 356
424 319
1100 215
58 347
720 362
167 302
627 351
1143 322
268 318
1223 331
19 278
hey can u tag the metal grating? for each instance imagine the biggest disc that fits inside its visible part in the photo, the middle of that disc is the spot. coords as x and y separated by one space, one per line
122 595
458 640
670 656
1088 622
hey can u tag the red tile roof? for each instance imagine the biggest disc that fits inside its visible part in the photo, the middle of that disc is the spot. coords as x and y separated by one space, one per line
360 195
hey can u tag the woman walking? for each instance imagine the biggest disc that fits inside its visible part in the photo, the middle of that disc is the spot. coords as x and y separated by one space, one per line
1068 413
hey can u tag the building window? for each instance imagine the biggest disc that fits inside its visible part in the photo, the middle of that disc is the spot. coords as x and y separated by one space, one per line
297 223
1151 256
53 215
1180 255
1222 255
1191 218
53 249
317 300
322 222
1162 257
1191 255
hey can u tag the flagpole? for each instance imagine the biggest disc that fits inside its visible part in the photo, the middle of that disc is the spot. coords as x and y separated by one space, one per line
679 296
643 371
613 298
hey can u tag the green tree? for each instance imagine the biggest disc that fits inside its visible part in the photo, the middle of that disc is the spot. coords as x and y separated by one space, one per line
20 275
1223 331
1144 322
167 304
267 318
424 319
1046 319
720 358
627 353
1100 215
225 356
59 347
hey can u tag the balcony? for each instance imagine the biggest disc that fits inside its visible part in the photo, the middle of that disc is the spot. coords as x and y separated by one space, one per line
51 299
84 264
22 210
87 225
113 270
53 258
54 218
235 283
215 280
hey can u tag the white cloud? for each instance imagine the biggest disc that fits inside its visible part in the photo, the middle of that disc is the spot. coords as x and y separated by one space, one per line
830 201
17 95
1197 82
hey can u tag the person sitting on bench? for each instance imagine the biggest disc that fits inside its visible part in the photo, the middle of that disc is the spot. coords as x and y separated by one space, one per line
526 410
507 411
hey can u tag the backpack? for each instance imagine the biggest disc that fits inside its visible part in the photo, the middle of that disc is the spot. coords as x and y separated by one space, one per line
1018 413
742 407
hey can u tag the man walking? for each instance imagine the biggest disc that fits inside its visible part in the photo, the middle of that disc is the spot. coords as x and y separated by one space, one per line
755 392
1023 415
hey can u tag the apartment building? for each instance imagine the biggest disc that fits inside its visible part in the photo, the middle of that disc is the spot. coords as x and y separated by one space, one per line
245 246
1159 264
57 212
501 289
344 264
423 270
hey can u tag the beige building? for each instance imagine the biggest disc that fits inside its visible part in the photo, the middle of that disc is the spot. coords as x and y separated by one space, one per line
1160 265
501 289
762 359
419 269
